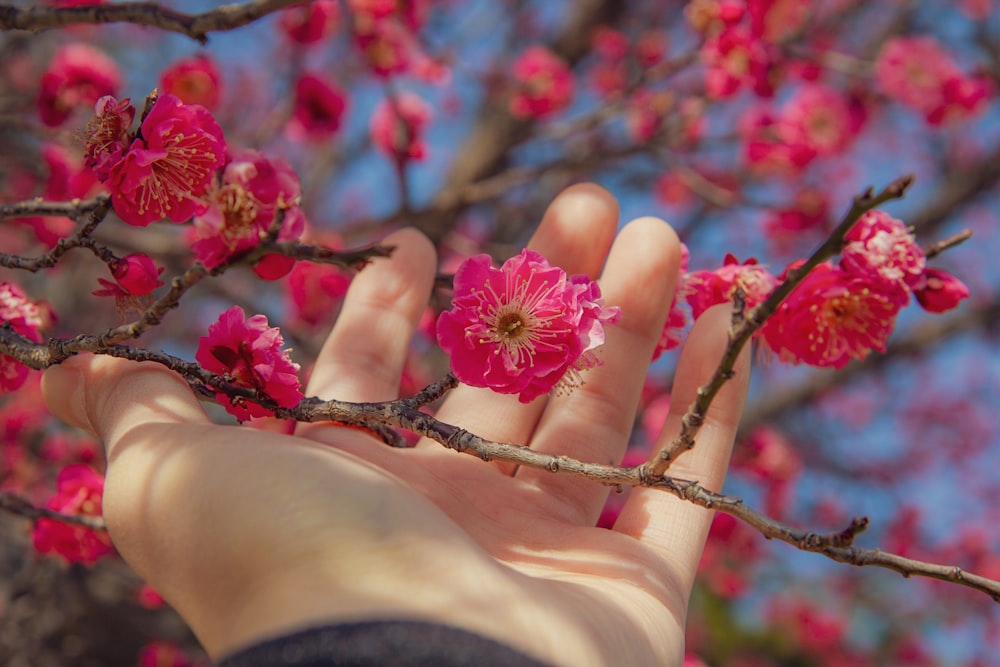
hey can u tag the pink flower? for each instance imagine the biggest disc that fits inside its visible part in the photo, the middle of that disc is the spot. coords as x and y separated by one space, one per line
248 353
832 317
106 138
734 60
135 275
938 291
882 249
242 207
821 118
194 80
397 127
544 84
311 23
921 74
314 290
670 337
79 492
78 75
168 167
524 328
704 289
775 21
26 318
319 107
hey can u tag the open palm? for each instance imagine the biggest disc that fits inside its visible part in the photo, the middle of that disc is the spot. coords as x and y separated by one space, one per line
249 534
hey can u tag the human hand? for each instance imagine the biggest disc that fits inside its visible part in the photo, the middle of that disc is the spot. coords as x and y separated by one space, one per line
251 534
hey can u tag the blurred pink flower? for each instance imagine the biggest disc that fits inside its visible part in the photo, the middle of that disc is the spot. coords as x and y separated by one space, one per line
939 291
310 23
79 491
397 127
318 108
194 80
248 353
26 318
524 328
77 77
544 84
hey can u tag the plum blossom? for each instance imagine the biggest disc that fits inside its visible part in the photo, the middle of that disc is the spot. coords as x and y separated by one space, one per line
704 289
882 248
194 80
544 84
77 77
524 328
26 318
397 127
670 337
309 24
134 275
79 492
831 317
247 352
938 291
318 109
242 207
735 59
106 138
169 165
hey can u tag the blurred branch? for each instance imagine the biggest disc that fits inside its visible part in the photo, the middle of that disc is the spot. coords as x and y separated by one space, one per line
495 132
195 26
15 504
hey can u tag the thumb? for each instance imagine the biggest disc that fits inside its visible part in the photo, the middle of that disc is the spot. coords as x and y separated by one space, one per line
108 396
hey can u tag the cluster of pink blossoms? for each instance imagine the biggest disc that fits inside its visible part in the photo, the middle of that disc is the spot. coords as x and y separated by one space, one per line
240 208
838 312
164 169
79 492
26 318
544 84
524 328
248 352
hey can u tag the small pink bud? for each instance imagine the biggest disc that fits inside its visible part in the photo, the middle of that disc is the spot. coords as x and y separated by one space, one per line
940 291
137 274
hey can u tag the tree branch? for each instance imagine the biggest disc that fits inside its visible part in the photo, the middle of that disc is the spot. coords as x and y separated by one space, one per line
195 26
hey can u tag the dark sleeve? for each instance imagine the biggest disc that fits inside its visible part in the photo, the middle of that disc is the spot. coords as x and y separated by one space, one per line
381 644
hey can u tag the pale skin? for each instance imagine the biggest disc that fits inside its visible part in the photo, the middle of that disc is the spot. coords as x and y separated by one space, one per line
250 534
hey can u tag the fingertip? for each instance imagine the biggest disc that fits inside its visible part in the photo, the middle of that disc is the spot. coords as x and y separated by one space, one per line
578 228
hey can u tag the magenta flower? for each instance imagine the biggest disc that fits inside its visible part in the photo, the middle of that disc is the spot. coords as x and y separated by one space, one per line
248 352
881 248
243 206
106 138
135 275
168 167
318 109
397 127
194 80
831 317
78 75
939 291
26 318
544 84
79 492
704 289
524 328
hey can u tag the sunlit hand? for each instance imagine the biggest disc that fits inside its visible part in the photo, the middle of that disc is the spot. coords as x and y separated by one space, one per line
249 534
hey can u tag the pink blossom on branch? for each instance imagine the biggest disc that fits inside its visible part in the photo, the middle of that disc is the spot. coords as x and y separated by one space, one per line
544 84
831 317
106 138
318 108
938 291
397 127
134 275
248 353
704 289
881 248
169 165
77 77
79 492
524 328
242 207
194 80
26 318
